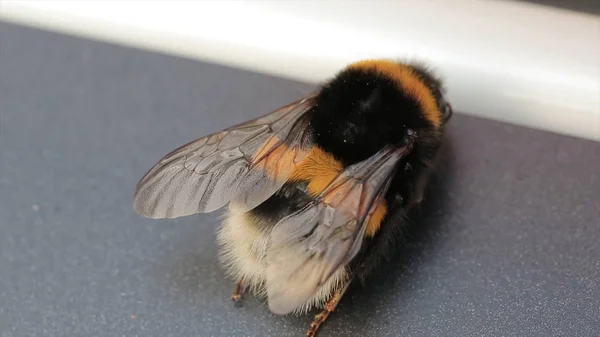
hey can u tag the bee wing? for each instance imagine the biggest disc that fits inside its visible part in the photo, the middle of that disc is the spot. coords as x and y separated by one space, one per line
309 245
244 164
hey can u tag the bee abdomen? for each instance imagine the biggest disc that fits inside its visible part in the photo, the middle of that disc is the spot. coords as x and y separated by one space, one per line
244 238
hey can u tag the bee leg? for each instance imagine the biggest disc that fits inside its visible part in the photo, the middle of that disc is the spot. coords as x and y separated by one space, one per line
238 291
327 309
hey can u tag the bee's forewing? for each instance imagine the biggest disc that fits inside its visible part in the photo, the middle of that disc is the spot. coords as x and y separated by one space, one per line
247 162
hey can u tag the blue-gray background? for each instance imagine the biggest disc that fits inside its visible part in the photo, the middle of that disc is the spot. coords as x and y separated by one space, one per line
507 243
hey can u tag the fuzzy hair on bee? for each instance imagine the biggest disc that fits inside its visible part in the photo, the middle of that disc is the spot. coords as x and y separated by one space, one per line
312 188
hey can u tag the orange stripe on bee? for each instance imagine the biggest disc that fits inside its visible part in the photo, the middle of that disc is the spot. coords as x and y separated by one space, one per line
376 218
409 83
276 159
319 169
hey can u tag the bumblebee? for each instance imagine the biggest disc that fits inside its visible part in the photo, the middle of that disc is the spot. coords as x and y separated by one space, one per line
310 188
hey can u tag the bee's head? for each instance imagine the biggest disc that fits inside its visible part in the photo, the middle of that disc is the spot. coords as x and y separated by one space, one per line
372 104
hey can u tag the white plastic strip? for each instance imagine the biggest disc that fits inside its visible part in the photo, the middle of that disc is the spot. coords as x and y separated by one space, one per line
509 61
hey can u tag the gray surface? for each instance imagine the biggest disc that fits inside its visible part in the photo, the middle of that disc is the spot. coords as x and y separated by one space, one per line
584 6
507 245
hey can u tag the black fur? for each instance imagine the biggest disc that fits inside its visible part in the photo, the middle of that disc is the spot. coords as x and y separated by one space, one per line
289 199
355 115
359 112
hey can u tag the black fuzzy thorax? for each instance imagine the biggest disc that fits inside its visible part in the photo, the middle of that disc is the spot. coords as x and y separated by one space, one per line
361 111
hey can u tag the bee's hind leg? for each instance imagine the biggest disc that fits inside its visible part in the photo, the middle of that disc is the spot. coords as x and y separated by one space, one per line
238 291
327 309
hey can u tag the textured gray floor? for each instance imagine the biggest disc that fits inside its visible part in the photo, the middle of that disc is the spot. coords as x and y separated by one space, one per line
507 243
583 6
